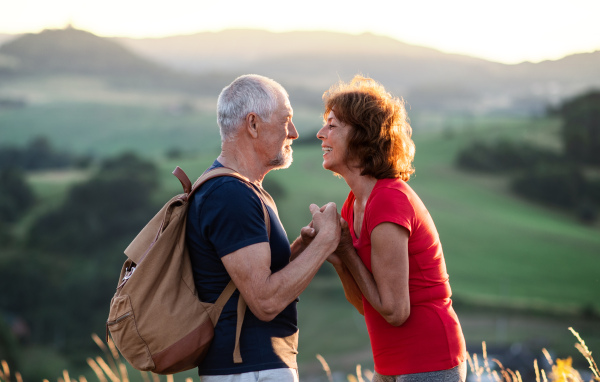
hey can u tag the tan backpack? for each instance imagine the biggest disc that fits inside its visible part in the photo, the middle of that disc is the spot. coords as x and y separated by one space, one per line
156 319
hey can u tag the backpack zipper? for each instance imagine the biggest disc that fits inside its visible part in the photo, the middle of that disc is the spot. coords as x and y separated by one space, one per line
108 323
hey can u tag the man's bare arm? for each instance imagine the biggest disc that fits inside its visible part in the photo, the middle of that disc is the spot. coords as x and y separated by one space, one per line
266 293
307 234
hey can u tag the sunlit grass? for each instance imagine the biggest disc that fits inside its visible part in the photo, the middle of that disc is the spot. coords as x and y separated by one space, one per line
561 369
111 368
501 252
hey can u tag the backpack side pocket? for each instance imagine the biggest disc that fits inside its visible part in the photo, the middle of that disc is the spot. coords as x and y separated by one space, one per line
125 335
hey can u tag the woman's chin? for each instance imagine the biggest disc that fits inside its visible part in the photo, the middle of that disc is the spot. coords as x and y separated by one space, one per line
332 169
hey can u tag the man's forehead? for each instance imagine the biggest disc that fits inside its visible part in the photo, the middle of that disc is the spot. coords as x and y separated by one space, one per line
288 106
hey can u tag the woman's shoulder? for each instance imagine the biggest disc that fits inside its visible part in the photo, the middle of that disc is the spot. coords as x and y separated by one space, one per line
394 191
392 186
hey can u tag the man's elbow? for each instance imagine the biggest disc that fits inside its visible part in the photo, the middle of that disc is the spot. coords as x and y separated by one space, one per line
264 310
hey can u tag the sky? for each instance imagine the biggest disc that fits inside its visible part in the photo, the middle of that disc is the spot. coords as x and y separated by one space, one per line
508 31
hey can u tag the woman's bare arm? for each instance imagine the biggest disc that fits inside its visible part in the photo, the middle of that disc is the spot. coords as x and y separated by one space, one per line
386 288
351 289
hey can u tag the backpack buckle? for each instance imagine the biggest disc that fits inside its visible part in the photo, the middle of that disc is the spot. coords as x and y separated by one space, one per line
128 273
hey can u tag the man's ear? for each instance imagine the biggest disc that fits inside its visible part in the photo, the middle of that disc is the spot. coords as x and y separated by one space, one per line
252 121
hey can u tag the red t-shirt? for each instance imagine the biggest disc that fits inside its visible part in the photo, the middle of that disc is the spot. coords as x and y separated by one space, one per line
431 339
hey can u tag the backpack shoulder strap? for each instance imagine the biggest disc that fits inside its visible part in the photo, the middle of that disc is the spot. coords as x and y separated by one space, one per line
189 189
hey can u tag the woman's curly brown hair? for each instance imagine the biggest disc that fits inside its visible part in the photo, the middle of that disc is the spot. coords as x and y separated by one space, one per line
380 137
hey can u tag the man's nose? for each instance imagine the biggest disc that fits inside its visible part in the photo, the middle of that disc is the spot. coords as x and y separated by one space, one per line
292 133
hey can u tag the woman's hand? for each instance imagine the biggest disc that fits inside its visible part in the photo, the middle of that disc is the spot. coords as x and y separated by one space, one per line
334 259
345 245
326 219
307 234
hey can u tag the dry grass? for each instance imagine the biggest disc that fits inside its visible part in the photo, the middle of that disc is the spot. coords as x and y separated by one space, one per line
562 369
112 369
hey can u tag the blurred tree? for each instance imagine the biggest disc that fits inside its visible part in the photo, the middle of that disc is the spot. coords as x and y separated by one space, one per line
39 154
581 128
62 282
558 180
113 204
560 186
16 197
174 153
503 156
563 186
9 350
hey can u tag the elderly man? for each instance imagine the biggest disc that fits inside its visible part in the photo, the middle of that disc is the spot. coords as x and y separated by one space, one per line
228 238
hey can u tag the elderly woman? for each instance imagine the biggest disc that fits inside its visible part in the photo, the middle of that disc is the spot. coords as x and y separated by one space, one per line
390 259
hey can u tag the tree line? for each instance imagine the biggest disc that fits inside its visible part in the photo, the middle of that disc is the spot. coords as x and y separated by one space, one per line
16 197
62 270
61 263
567 179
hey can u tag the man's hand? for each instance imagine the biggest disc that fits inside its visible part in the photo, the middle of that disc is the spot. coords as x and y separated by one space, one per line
326 223
267 293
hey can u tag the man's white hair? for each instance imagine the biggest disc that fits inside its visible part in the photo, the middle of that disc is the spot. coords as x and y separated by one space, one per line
250 93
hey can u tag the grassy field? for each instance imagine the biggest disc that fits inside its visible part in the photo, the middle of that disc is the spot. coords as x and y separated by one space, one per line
519 272
104 129
497 246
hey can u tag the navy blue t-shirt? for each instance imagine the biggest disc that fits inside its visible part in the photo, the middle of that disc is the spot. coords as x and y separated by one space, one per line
226 215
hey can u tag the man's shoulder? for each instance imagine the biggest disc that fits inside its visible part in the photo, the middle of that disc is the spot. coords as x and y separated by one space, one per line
224 193
223 185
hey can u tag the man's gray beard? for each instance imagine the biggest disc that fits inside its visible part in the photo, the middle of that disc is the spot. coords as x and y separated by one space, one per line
282 160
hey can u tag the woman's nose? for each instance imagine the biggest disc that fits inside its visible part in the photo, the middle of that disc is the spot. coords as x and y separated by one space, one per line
320 133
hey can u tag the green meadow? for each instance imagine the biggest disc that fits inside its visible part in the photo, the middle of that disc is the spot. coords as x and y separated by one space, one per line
519 272
497 246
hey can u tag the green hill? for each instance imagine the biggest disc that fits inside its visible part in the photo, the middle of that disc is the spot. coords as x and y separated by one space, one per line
75 52
427 78
519 272
508 259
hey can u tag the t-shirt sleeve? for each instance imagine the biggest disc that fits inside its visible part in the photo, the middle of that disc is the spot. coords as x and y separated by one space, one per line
389 205
233 217
345 210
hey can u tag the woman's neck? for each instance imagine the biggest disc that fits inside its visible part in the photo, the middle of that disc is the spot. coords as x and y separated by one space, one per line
361 185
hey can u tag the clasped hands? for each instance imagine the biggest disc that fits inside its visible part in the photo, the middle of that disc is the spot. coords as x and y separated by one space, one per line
326 219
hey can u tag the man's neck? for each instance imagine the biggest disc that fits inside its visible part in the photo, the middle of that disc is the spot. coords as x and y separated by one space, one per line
243 162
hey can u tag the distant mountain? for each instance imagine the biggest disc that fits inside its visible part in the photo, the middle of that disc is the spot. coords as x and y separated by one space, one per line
306 63
76 52
235 47
310 58
6 37
425 77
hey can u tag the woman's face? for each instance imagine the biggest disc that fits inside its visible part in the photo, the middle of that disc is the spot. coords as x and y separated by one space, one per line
334 142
